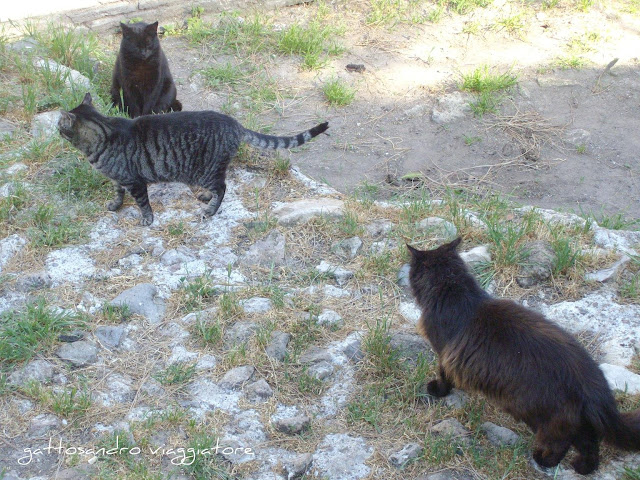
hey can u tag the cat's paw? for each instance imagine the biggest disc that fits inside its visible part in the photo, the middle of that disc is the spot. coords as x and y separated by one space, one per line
146 220
204 197
545 458
435 388
584 465
114 205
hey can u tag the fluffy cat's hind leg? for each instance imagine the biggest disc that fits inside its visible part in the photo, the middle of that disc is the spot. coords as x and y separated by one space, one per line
116 203
587 443
201 193
139 193
552 442
441 386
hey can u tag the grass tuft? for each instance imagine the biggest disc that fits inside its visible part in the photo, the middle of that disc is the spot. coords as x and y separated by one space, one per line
338 93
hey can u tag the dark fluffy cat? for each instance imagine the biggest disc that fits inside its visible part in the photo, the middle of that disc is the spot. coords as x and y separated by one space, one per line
188 147
142 72
526 364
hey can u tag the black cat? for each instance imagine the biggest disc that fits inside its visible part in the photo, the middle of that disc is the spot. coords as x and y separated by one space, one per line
520 360
142 83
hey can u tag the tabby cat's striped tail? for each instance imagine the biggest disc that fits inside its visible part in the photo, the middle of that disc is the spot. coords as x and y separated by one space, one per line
269 141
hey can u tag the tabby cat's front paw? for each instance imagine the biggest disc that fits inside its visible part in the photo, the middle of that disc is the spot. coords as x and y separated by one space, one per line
146 220
114 205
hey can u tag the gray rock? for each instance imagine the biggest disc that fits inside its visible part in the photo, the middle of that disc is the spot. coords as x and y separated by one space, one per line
292 425
410 312
36 370
45 124
447 475
379 227
9 247
277 348
452 429
378 248
320 370
302 211
256 305
239 333
538 263
7 128
610 273
79 354
341 275
177 256
266 252
297 466
619 378
72 78
403 275
348 248
456 399
353 347
82 472
341 456
110 336
476 255
42 424
315 355
450 107
142 300
26 44
236 377
577 136
498 435
33 281
411 346
438 227
259 391
329 318
409 452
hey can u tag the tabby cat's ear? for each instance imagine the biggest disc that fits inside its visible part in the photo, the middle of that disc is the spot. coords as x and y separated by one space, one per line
152 28
87 100
67 118
453 245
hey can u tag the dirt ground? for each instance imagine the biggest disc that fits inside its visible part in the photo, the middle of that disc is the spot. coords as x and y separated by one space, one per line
574 145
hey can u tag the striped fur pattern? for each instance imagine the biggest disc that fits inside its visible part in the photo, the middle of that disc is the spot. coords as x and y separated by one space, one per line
526 364
194 148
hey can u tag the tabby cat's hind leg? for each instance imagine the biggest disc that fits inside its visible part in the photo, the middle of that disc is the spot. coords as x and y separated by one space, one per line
201 193
216 200
552 442
116 203
139 192
587 443
441 386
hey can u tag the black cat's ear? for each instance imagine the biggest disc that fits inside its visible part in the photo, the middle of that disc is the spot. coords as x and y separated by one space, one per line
87 100
125 28
152 28
453 245
414 251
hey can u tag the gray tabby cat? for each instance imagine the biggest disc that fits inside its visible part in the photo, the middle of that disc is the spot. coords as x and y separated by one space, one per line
188 147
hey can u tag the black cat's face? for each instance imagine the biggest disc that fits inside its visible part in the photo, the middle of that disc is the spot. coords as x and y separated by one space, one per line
425 262
140 40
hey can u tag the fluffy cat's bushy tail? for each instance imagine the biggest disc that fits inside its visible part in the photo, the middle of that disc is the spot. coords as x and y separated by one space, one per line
623 430
269 141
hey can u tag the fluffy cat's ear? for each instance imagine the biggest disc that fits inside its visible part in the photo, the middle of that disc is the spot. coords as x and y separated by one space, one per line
87 100
453 245
152 28
414 251
126 30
